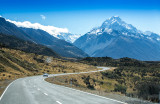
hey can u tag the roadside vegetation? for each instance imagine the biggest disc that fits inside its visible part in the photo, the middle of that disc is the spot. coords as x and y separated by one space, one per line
16 64
134 78
131 77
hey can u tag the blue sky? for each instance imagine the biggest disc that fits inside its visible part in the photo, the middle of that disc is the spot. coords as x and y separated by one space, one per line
80 16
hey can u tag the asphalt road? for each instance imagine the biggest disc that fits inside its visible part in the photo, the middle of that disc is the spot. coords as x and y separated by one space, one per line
34 90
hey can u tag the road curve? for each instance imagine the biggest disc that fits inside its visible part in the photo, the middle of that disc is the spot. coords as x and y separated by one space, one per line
35 90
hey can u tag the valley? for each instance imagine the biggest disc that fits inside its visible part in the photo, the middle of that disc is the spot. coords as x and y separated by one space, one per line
128 61
17 64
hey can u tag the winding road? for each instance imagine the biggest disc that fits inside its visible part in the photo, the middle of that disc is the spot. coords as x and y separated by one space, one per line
35 90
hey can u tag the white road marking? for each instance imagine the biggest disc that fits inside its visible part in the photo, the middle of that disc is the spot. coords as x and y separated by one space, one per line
58 102
46 94
65 87
38 89
91 93
6 89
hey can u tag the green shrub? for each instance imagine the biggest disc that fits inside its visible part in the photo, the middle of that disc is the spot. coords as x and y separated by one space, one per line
120 88
149 89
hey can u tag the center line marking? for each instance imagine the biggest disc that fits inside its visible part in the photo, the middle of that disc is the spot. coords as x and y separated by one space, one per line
45 93
58 102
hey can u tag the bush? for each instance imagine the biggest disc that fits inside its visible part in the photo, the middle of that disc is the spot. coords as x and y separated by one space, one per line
111 75
149 90
120 88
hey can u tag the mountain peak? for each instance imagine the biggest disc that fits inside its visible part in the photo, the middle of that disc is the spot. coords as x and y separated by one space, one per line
116 38
115 18
116 23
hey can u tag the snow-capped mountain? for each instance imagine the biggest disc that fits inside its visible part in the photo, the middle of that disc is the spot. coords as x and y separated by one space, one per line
69 37
42 37
60 33
116 24
115 38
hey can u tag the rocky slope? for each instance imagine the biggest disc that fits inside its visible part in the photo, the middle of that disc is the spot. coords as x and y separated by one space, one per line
117 39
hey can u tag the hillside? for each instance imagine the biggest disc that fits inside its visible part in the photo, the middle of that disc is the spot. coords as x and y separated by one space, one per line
134 78
13 42
9 28
108 61
39 36
61 47
16 63
131 77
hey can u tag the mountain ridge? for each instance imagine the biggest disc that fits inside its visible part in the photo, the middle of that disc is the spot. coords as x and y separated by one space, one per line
12 42
115 37
38 36
60 33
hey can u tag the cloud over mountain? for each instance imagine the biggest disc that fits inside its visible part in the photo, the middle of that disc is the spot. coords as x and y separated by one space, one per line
50 29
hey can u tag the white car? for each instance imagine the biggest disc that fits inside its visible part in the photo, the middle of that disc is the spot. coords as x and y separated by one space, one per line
45 75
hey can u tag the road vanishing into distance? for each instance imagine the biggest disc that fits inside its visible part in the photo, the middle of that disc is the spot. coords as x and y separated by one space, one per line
35 90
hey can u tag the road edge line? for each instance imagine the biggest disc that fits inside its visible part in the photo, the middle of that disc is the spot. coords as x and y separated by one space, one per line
90 93
6 89
58 102
87 92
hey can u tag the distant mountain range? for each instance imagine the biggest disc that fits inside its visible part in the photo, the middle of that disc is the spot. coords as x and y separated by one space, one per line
60 33
69 37
114 38
117 39
39 36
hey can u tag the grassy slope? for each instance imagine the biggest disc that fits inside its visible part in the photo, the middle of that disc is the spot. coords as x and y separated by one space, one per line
18 63
15 64
131 77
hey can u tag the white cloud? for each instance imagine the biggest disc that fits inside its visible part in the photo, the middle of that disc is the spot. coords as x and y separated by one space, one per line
50 29
43 17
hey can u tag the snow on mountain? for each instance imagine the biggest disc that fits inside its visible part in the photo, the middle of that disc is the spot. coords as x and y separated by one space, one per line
39 36
60 33
147 33
115 38
50 29
115 23
69 37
